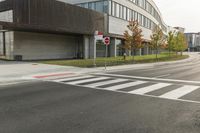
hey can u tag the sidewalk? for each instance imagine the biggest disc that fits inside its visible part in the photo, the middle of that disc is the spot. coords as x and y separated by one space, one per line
16 71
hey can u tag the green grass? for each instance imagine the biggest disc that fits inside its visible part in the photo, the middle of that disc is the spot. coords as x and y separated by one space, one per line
113 61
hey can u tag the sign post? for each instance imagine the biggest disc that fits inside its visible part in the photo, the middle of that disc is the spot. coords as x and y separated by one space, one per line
106 41
97 36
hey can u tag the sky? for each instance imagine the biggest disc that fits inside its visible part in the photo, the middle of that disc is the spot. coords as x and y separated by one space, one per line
181 13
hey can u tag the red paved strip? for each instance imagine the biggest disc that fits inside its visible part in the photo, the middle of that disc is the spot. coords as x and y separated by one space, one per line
53 75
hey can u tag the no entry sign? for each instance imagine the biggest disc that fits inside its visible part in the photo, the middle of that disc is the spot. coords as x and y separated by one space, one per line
106 40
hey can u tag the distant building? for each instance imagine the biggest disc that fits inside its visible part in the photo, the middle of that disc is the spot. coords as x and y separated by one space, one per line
180 29
193 40
176 29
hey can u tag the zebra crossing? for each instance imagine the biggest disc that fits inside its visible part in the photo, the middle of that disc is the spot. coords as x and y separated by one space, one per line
130 86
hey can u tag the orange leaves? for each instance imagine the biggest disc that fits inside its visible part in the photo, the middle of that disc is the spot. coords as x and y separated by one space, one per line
133 37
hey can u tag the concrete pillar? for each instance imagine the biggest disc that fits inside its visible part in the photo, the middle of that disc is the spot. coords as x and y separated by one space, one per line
92 48
113 47
86 44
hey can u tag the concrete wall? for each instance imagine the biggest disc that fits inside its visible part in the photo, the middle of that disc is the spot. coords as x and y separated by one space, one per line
33 46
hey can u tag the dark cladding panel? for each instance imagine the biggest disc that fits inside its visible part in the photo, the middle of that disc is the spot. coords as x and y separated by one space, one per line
57 16
5 5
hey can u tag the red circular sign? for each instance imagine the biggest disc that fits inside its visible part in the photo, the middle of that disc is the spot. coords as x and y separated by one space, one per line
107 40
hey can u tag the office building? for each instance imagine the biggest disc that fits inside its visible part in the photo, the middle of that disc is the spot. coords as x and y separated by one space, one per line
57 29
193 40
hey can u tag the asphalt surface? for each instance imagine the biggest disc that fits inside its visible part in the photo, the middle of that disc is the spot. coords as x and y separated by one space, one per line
185 71
79 106
44 107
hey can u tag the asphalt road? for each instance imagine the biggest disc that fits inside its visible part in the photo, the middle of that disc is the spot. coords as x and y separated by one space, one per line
117 102
185 71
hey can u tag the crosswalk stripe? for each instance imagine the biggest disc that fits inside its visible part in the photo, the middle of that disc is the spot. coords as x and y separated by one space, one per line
151 88
87 80
73 78
126 85
105 83
180 92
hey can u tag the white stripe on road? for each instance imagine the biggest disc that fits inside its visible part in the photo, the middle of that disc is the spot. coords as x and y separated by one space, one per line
87 80
148 78
161 76
151 88
105 83
180 92
73 78
126 85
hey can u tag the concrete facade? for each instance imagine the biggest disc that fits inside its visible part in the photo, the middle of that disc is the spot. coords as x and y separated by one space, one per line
67 37
144 11
37 46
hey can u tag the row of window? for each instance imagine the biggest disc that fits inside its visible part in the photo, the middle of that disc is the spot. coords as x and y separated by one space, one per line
125 13
148 7
100 6
128 14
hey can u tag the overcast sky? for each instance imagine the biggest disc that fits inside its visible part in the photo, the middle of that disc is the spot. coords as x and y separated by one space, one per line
183 13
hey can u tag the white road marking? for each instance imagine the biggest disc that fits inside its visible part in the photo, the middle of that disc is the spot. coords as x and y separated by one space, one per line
148 78
73 78
87 80
126 85
105 83
161 76
149 88
180 92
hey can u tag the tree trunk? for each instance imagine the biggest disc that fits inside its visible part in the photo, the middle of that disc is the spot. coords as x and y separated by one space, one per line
133 55
156 54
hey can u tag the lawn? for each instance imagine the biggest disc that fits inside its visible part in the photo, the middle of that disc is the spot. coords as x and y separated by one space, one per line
112 61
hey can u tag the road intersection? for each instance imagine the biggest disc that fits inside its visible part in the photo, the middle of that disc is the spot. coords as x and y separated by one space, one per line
159 98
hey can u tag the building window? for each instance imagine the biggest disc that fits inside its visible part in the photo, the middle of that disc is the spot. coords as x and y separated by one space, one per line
124 12
99 6
105 6
92 6
121 11
113 9
110 8
117 10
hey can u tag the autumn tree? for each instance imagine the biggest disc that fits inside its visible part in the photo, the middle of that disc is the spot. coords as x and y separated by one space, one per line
157 40
170 42
133 37
180 43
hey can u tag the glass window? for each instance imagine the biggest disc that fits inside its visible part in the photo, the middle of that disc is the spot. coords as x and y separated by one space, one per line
92 5
136 16
121 11
117 10
133 15
113 8
105 6
110 8
124 12
128 14
99 6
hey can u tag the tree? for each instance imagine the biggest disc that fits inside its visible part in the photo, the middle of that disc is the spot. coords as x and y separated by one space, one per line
157 40
133 41
180 43
170 42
